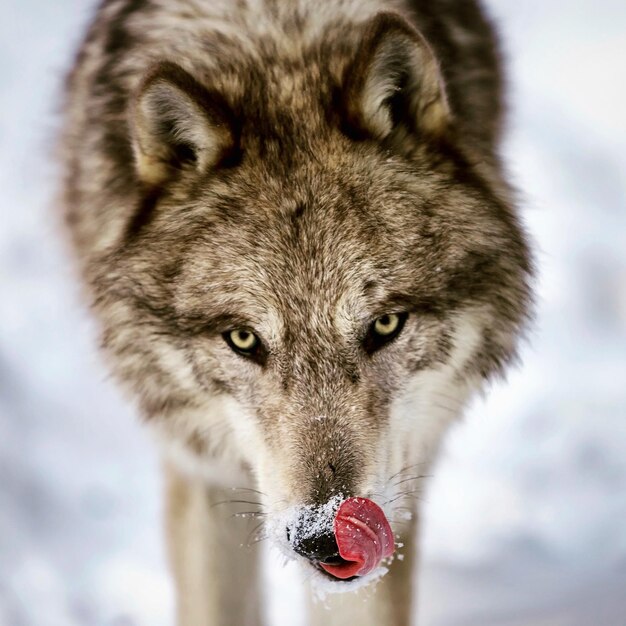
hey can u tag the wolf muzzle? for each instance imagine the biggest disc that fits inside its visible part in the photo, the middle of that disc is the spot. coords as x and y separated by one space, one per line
345 539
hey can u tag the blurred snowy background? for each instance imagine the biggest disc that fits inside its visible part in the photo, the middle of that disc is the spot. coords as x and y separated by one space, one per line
525 521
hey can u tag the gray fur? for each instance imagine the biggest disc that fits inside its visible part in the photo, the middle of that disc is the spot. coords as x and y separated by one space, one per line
276 201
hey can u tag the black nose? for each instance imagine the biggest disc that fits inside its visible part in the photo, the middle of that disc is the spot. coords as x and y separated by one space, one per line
312 539
320 548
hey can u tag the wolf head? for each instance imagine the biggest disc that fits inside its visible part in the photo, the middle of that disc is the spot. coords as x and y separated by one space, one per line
319 268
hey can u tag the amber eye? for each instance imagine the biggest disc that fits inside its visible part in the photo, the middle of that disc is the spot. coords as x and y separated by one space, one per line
387 324
246 343
383 330
242 339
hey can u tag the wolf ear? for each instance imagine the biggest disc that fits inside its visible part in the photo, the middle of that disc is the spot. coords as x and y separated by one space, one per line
394 85
179 125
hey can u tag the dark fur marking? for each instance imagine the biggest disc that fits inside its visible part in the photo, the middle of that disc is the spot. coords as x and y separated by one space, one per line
118 39
415 303
144 213
298 211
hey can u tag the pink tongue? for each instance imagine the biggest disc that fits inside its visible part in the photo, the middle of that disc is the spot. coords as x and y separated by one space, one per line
364 538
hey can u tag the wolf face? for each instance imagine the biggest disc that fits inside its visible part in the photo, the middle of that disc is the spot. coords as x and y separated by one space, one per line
316 267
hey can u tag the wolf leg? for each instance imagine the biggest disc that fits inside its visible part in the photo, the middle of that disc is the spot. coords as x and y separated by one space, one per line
389 603
216 577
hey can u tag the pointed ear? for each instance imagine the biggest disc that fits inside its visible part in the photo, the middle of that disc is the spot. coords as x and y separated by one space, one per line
394 85
179 125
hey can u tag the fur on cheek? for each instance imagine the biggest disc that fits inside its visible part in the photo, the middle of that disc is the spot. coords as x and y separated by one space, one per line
436 396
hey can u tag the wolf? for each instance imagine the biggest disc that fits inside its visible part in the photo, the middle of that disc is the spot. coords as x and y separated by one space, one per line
296 233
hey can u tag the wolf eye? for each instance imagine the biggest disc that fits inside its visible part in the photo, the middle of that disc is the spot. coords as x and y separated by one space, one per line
242 340
387 324
246 343
383 330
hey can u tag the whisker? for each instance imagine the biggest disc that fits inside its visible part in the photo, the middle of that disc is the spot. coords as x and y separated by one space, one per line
405 469
254 534
405 480
261 493
257 540
236 502
249 514
377 494
407 494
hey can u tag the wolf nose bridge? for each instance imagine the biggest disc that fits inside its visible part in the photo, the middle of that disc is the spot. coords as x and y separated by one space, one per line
329 465
328 414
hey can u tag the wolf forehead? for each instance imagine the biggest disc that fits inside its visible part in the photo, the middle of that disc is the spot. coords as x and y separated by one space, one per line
322 238
317 254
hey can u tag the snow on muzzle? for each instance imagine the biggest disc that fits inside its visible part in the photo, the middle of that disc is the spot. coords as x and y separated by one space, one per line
363 536
346 538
